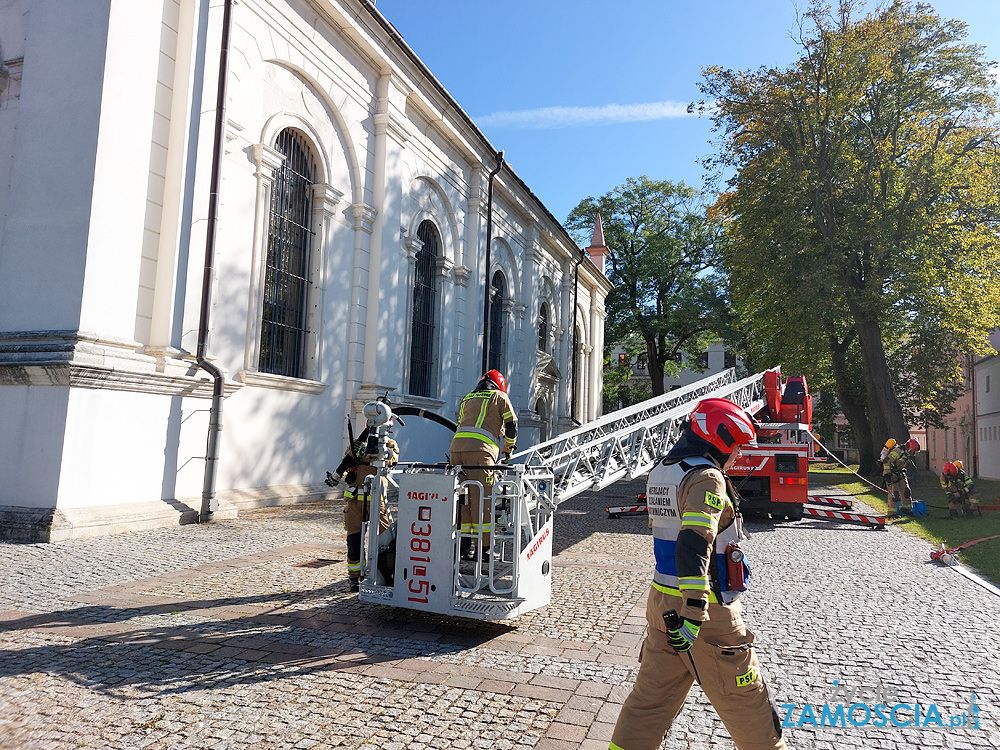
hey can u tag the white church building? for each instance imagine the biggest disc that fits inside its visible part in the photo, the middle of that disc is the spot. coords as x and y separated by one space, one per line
194 298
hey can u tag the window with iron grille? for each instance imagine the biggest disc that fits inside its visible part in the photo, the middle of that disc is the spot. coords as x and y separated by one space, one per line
498 292
543 327
424 303
285 321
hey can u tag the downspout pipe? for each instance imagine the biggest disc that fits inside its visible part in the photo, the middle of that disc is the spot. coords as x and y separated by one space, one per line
572 331
209 502
489 239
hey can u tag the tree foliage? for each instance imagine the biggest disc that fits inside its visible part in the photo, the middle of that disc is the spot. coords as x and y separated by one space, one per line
661 253
863 211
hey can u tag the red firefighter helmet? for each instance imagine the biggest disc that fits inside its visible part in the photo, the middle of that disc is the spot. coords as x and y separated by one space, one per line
950 470
912 445
723 424
496 377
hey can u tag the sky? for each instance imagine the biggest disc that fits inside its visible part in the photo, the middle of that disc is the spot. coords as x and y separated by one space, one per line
583 94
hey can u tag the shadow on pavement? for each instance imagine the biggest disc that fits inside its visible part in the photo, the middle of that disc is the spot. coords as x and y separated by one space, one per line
239 641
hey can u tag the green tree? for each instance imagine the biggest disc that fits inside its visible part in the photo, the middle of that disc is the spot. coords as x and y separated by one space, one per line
661 254
621 387
864 196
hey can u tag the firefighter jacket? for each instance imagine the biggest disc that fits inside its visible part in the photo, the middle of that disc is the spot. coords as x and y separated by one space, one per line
364 467
365 459
960 485
486 421
693 521
895 463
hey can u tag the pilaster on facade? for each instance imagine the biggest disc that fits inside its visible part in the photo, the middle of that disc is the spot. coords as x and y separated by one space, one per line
387 123
364 217
462 274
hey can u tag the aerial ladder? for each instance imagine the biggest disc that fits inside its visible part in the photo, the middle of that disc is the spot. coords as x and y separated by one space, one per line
416 564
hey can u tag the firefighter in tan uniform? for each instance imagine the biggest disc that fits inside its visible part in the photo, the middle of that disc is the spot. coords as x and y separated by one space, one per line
487 427
959 490
694 626
356 467
900 500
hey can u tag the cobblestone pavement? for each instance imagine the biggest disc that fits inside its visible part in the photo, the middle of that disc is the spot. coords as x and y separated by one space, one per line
242 634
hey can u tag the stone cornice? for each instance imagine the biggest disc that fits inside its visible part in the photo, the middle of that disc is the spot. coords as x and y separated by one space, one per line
78 359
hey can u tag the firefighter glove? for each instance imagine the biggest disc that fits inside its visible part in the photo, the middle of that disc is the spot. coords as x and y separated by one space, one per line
683 637
332 480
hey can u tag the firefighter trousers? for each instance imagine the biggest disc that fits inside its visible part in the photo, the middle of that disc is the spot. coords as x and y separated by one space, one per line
900 493
727 670
356 508
476 516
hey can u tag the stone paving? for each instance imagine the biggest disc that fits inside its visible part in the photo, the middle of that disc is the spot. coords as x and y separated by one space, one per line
242 634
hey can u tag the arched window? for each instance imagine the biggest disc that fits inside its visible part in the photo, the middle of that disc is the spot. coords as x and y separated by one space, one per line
424 304
495 360
543 327
285 320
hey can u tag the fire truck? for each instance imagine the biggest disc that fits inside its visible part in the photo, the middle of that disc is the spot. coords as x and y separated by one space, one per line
771 478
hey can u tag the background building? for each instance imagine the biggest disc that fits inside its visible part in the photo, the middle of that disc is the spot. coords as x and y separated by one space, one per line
349 258
971 431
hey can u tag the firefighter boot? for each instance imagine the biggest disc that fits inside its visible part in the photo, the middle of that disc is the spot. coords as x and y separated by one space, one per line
466 550
355 585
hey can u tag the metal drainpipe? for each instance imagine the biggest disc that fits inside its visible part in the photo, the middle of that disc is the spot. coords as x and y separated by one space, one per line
489 237
572 331
209 503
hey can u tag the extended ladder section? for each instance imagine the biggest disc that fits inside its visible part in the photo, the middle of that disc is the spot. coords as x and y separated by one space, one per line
626 443
511 573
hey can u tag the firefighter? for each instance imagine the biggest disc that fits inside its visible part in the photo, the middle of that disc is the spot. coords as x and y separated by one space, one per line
695 628
487 428
900 501
970 491
959 490
953 489
357 497
889 445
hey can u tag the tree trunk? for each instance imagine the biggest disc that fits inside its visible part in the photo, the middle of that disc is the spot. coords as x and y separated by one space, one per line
884 411
653 363
854 408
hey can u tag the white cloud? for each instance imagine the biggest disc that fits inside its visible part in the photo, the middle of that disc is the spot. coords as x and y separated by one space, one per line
565 117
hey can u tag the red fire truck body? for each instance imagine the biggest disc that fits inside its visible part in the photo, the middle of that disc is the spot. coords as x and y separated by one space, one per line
772 478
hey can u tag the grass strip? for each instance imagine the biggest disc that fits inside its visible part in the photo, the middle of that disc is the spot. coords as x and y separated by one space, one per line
935 527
